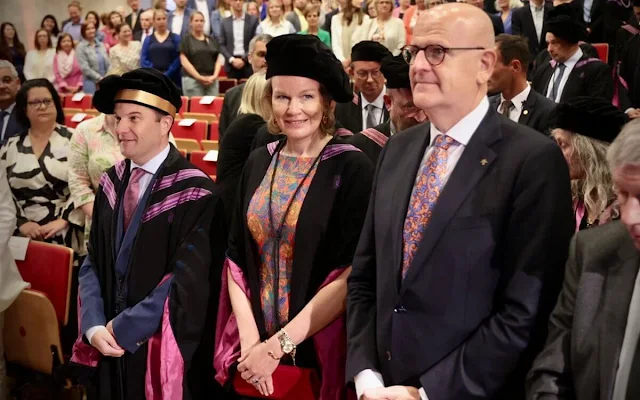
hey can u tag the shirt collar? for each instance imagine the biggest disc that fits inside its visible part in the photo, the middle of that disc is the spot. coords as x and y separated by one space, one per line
573 60
519 99
535 8
466 127
9 109
154 164
378 102
240 18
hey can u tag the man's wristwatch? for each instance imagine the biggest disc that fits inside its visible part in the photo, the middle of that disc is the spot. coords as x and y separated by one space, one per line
287 345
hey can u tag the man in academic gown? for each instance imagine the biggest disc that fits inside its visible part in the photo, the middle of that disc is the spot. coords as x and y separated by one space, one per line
149 286
628 59
570 73
403 114
367 109
461 255
517 100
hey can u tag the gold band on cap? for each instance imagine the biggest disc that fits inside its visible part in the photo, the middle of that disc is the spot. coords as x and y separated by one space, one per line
146 98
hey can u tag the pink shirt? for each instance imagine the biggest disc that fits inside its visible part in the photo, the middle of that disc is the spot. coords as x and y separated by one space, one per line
74 78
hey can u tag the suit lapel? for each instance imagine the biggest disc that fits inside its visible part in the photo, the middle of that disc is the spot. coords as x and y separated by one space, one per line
527 108
574 79
475 161
618 291
247 32
528 19
494 102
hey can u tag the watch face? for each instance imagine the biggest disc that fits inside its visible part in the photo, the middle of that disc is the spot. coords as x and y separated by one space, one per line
287 348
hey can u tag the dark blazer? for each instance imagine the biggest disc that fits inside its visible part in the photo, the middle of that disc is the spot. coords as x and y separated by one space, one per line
587 78
138 27
587 326
327 20
470 315
294 19
496 21
522 24
185 22
230 106
226 38
372 140
535 111
14 128
350 115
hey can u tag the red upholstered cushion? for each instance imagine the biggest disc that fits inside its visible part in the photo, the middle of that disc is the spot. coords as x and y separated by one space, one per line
209 167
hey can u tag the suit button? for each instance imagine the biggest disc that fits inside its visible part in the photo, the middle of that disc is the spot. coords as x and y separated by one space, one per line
388 355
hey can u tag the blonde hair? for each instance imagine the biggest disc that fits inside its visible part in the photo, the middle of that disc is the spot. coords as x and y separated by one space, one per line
327 124
253 101
512 4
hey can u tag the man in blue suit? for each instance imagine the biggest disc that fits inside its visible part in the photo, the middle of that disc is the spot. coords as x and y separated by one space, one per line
179 19
9 86
461 255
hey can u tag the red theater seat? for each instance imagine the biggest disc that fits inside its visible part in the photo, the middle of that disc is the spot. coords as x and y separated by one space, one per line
214 131
214 108
209 167
197 131
85 103
72 124
603 51
225 84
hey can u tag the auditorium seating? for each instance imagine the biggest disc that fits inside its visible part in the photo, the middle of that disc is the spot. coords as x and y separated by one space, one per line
209 145
197 131
73 124
201 116
85 103
185 105
603 51
209 167
213 131
188 145
214 108
225 84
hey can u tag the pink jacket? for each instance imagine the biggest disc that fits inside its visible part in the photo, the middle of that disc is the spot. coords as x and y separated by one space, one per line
73 79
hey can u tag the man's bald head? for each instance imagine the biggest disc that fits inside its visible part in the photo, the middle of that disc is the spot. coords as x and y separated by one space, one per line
449 86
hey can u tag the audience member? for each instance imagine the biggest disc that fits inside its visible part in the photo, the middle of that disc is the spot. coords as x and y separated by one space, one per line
312 15
367 109
146 26
72 2
262 8
160 5
50 23
386 29
627 58
134 19
179 19
44 208
330 14
233 47
529 21
505 11
296 16
498 27
66 68
206 7
583 128
231 103
93 18
345 30
160 50
371 8
321 14
401 8
275 24
92 57
39 61
515 98
592 346
75 21
288 193
409 264
110 29
288 6
411 17
570 72
124 56
10 125
11 48
252 9
221 12
201 60
235 145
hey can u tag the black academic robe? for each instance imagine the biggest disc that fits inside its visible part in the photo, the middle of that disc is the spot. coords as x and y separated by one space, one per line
372 140
327 230
174 245
628 60
349 115
230 107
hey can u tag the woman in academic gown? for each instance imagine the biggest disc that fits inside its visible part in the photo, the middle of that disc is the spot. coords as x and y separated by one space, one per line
298 215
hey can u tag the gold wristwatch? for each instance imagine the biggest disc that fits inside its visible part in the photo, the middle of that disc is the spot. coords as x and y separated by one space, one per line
287 345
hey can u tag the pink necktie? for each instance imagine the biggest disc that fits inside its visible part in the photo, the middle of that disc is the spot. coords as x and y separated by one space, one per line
131 195
423 199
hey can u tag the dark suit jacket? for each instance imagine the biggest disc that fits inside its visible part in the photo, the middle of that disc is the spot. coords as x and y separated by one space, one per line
484 277
226 38
589 79
14 128
587 326
535 111
522 24
230 106
496 21
327 20
185 22
372 140
350 115
138 27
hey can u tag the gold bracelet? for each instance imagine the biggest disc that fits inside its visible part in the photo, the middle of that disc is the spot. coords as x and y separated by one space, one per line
272 355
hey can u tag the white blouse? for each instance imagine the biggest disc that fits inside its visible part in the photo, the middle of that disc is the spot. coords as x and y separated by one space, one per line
39 65
268 27
391 34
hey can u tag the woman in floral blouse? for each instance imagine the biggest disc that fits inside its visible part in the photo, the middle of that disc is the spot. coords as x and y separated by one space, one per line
124 56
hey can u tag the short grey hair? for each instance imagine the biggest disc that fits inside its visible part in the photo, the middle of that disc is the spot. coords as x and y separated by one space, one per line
626 148
12 69
263 37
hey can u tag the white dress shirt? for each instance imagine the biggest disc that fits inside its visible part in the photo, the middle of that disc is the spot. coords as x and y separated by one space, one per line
152 166
461 133
4 123
538 19
176 23
377 112
518 102
203 7
238 36
629 343
145 35
587 6
570 64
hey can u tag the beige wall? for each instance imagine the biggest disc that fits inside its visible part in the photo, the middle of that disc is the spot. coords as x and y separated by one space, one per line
26 15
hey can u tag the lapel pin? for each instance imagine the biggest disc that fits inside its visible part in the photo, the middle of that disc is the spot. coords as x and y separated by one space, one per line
525 112
484 162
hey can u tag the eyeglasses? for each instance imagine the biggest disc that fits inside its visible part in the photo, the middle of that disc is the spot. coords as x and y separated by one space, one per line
38 103
433 52
375 74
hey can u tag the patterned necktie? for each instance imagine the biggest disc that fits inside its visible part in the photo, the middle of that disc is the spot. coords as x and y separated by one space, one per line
131 195
506 106
423 198
371 119
556 82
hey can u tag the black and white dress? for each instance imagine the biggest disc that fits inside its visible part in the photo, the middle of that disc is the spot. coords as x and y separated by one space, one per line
39 185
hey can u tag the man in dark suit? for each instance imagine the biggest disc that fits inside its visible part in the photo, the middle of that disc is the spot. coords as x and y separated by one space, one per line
468 224
327 20
403 114
570 72
604 18
133 19
146 26
9 86
528 21
496 21
233 96
367 109
517 101
591 352
179 19
235 51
